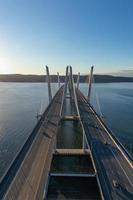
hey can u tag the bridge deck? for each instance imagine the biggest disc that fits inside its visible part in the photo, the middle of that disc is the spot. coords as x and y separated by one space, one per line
110 160
31 176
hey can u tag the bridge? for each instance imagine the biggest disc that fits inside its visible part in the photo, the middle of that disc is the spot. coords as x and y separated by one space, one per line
106 163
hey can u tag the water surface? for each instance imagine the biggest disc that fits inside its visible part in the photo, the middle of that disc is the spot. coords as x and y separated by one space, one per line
21 102
114 102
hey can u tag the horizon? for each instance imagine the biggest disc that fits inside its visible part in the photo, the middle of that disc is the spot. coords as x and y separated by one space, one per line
91 33
84 74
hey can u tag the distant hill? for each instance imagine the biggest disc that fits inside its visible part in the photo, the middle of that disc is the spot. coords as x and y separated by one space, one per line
42 78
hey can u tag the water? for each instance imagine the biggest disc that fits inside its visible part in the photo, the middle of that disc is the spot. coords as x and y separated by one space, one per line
72 164
69 135
21 102
114 101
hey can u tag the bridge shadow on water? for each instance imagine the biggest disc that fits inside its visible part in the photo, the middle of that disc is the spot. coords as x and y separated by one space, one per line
69 135
72 164
71 187
80 188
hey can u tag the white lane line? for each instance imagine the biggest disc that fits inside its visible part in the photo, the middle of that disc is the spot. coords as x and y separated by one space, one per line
121 167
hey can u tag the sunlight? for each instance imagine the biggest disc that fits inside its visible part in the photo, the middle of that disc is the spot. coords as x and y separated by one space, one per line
6 70
5 67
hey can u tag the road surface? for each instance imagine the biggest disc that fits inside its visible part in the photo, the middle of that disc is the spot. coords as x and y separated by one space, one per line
110 160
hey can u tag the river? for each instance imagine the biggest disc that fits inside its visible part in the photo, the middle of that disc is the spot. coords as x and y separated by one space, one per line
20 103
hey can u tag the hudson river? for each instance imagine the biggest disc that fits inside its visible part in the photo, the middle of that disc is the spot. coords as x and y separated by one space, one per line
20 103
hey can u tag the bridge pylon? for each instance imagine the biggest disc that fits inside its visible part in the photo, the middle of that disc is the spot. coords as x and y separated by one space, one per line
78 80
58 76
49 84
90 83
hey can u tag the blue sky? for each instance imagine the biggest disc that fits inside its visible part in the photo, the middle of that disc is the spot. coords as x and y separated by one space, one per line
80 33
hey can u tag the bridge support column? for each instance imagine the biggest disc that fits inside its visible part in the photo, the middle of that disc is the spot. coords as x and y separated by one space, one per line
49 84
58 79
78 80
90 83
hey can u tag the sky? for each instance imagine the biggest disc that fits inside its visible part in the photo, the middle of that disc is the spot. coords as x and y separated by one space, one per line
57 33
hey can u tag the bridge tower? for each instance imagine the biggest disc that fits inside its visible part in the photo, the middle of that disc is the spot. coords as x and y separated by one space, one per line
58 79
78 80
49 84
90 83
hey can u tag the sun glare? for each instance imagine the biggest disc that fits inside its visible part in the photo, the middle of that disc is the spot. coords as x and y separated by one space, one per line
6 70
5 67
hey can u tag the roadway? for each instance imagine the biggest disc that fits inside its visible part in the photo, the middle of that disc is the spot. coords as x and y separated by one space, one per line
110 160
32 172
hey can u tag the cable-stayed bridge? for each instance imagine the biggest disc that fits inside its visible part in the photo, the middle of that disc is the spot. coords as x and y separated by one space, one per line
108 163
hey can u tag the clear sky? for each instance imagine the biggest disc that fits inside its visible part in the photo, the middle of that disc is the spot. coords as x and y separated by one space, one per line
80 33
